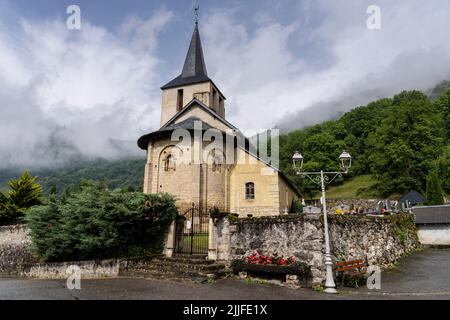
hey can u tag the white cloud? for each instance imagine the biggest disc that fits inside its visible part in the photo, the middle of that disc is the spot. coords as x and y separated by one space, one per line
267 82
66 93
86 89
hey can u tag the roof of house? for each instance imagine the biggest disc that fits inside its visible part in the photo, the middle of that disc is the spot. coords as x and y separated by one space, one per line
413 197
432 214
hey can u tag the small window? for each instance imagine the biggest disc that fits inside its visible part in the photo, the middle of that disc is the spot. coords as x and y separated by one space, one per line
180 100
170 163
249 191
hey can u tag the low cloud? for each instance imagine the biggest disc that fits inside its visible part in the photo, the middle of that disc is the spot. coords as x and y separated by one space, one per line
273 77
68 94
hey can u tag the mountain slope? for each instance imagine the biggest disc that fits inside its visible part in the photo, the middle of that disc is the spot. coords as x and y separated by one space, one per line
118 174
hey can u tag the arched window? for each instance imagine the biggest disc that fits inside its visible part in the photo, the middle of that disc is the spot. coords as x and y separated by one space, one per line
249 191
170 163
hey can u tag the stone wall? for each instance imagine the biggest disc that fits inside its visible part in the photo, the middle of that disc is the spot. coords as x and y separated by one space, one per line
59 270
381 241
14 248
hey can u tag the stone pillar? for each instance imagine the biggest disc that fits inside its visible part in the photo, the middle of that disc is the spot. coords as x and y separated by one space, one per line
170 241
212 246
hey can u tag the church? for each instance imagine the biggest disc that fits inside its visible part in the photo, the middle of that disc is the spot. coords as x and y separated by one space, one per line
230 176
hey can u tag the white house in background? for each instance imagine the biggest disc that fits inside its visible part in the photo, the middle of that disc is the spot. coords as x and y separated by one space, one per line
433 224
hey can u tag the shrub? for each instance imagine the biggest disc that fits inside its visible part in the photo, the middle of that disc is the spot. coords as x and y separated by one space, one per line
96 223
296 207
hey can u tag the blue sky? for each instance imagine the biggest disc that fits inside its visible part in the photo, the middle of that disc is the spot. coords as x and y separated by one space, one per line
111 14
288 62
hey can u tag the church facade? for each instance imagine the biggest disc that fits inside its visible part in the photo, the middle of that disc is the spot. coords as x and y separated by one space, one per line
201 158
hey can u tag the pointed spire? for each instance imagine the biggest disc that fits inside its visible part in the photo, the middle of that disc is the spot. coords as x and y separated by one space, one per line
194 69
194 65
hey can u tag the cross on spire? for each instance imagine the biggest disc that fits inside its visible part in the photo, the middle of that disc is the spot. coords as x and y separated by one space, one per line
196 9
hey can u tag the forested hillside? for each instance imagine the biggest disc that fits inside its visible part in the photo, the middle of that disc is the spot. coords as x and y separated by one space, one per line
398 141
126 174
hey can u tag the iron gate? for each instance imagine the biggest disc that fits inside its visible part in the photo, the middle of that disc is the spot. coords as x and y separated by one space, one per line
191 235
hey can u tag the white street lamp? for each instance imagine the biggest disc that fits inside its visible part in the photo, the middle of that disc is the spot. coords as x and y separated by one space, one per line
345 162
297 160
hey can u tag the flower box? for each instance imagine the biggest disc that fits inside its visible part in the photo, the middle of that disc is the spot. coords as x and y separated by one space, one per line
299 268
270 264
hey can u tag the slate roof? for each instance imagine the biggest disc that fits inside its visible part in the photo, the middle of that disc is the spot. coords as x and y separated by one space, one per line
194 69
187 124
432 214
205 108
413 197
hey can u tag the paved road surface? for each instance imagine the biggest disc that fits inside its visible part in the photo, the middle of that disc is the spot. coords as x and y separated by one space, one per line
424 275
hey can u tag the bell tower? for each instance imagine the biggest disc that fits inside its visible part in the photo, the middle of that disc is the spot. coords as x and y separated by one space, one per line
192 83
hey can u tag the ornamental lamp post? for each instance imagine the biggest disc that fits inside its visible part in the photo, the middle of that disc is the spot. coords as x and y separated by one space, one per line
324 178
345 161
297 158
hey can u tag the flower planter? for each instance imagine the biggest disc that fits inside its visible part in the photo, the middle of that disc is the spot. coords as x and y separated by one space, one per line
299 269
295 275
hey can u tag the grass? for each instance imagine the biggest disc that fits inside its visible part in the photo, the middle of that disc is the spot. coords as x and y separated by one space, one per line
358 187
251 280
199 241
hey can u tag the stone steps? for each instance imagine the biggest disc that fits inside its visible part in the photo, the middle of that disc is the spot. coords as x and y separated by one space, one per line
183 259
178 268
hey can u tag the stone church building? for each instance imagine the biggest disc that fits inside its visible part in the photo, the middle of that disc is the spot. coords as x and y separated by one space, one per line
191 104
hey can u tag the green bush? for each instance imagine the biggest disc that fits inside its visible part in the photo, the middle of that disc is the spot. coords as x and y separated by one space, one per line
296 207
96 223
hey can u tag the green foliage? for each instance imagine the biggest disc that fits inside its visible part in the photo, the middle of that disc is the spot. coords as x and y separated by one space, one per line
358 187
396 141
296 207
125 174
322 144
94 222
23 194
442 104
443 168
403 228
408 139
434 194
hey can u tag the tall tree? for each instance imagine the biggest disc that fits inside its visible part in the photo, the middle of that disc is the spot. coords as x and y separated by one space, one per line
434 194
409 138
23 194
442 104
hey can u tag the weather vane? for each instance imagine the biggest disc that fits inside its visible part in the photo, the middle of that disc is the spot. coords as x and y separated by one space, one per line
196 13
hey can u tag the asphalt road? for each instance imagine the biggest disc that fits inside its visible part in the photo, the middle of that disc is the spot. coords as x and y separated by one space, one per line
424 275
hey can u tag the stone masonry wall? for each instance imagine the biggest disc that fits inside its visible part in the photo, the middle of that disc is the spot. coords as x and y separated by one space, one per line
381 241
14 248
59 270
